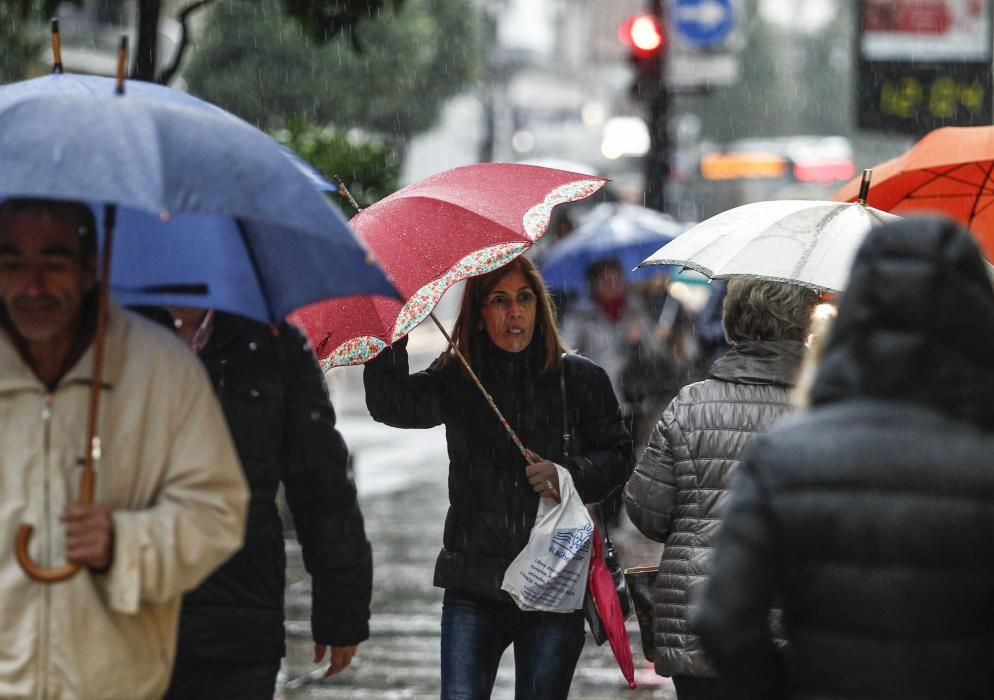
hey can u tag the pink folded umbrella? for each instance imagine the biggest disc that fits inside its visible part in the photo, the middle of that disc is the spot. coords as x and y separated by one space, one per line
605 597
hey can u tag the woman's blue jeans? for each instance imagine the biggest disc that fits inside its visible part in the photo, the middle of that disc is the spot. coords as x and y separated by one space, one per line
475 633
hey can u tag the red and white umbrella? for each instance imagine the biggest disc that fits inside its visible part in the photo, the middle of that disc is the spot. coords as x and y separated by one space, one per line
430 235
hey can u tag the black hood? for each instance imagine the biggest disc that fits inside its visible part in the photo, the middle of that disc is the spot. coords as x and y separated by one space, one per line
916 323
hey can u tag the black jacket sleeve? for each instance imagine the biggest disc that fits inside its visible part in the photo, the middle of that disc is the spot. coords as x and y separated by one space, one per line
396 397
323 502
604 461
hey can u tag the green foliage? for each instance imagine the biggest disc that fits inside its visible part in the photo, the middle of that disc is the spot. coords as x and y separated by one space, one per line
324 20
19 45
257 62
23 35
369 167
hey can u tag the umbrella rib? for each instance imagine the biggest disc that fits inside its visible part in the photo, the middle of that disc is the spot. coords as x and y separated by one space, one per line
983 208
812 244
976 201
948 176
256 270
937 175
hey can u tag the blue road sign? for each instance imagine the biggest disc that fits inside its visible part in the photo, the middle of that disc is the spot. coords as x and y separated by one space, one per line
702 23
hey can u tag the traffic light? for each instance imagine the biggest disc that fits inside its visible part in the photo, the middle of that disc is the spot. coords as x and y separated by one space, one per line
643 35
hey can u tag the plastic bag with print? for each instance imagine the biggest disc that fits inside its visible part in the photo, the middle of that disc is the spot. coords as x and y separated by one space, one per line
550 573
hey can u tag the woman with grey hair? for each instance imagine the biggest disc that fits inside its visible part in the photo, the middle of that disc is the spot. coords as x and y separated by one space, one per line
682 479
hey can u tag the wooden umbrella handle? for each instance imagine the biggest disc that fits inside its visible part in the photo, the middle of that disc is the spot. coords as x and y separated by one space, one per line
38 573
93 449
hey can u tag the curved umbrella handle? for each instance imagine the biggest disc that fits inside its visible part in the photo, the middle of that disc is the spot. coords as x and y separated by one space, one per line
59 573
93 451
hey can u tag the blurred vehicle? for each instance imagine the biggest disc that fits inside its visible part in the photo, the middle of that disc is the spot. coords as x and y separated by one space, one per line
756 169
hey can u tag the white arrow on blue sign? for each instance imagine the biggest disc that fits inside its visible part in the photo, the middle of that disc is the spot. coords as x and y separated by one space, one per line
702 23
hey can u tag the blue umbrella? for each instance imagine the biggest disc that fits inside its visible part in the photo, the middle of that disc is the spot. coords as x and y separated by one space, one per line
100 86
624 232
239 226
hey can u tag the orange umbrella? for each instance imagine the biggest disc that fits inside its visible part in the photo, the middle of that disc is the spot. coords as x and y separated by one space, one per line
949 171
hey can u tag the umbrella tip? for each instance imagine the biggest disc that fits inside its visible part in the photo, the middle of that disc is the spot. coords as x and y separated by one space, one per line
56 47
344 192
122 63
864 186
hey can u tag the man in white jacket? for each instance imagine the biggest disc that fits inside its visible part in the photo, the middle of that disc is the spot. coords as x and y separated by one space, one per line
170 498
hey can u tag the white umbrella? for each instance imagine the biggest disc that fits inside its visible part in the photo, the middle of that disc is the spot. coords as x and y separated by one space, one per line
806 242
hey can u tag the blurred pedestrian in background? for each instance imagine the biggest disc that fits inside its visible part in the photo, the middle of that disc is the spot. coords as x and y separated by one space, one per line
613 328
231 634
869 517
169 502
652 379
679 488
709 328
507 331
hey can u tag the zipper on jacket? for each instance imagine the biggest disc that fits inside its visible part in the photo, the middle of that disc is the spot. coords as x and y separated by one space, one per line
46 539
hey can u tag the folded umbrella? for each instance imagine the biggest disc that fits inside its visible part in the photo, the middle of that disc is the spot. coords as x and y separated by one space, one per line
603 590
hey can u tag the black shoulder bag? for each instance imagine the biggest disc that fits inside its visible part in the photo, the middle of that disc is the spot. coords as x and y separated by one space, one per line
610 554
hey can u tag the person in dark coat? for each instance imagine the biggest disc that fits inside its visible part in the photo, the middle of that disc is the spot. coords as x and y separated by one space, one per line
681 483
507 331
231 634
869 517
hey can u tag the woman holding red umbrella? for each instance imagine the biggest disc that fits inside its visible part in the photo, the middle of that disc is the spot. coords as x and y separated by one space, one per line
507 331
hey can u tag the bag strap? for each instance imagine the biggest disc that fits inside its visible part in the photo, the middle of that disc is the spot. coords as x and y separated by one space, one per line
594 508
567 433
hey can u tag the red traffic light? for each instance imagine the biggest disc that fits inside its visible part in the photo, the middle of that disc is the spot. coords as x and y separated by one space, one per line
643 33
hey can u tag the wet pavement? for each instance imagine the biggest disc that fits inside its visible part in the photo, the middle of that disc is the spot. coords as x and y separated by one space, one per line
401 658
401 477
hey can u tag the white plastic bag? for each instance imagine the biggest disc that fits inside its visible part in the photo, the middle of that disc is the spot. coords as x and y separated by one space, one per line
550 573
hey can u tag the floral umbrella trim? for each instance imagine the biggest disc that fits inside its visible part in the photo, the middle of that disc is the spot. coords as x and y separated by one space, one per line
354 352
536 219
482 261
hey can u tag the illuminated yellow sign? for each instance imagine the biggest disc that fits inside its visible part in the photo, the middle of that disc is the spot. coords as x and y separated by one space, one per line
736 166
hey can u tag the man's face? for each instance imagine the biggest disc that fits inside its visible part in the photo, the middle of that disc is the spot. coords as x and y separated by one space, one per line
42 274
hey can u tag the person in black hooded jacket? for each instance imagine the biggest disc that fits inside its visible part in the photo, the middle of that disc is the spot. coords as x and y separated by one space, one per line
231 635
507 331
870 516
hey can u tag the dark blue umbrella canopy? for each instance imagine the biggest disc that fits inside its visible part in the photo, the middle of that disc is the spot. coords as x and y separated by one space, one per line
624 232
212 212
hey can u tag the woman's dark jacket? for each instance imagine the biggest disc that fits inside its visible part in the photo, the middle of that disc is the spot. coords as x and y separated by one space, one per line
872 515
277 407
681 484
491 504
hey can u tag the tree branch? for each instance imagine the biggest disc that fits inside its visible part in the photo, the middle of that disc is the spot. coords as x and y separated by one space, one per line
169 72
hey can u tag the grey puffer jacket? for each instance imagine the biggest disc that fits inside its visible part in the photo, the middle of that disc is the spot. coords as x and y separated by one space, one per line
680 485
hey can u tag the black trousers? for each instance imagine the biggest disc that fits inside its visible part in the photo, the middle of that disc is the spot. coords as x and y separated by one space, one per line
692 688
216 680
